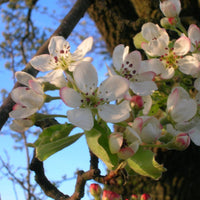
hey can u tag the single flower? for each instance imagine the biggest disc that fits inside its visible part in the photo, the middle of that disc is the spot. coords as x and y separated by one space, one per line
60 59
124 144
128 65
148 128
170 54
88 100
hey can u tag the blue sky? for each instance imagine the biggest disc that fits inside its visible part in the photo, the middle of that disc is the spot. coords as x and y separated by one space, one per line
65 162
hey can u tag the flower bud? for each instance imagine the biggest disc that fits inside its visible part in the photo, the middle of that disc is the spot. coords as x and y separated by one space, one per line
180 142
134 197
110 195
95 189
145 197
170 8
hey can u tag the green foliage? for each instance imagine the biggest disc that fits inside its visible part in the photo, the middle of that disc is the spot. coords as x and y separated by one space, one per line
143 162
97 140
54 139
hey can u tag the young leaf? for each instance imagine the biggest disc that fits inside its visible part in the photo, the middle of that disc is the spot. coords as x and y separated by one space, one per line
54 139
143 162
97 140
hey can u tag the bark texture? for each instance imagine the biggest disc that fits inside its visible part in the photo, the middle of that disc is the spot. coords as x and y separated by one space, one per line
118 21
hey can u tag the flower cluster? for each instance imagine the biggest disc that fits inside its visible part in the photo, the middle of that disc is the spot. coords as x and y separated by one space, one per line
155 101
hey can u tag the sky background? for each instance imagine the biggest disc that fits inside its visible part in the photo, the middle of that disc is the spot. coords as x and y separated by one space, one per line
65 162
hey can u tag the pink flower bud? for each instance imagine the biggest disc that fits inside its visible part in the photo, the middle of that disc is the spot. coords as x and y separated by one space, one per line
136 99
110 195
145 197
134 197
95 189
182 141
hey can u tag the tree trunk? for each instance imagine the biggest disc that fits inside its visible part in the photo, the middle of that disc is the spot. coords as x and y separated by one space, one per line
118 21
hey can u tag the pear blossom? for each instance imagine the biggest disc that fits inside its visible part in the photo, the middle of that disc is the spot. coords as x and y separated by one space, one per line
180 106
61 59
128 65
170 58
29 99
124 144
148 128
88 99
170 8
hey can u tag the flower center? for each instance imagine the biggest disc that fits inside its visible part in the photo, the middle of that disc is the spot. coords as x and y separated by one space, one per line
170 59
91 100
63 58
128 70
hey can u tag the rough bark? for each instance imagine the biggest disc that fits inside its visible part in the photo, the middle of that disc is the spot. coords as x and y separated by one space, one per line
118 21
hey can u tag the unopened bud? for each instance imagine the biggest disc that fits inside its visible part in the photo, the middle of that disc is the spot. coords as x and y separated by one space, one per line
110 195
180 142
134 197
95 189
145 197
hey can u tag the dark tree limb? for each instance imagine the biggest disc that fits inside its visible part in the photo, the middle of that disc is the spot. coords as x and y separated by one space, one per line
65 28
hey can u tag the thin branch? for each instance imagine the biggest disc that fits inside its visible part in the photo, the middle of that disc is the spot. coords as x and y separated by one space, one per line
65 28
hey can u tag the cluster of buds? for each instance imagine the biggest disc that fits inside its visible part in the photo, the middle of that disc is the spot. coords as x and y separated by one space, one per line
98 194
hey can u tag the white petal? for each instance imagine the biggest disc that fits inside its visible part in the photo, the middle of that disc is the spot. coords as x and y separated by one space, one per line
81 117
114 113
117 56
56 44
22 112
184 110
83 48
143 88
133 61
113 88
21 125
167 73
154 65
36 86
150 31
147 104
194 34
194 134
23 78
55 77
182 46
115 142
27 97
70 97
189 65
42 63
85 76
197 84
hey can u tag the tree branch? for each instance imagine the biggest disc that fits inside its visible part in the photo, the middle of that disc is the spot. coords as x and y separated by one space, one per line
65 28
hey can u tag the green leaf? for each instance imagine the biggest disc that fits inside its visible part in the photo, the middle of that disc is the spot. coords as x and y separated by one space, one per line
54 139
97 140
143 163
